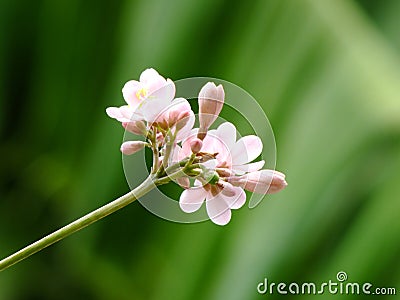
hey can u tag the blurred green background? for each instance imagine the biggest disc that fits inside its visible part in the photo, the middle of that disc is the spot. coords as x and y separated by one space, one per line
327 74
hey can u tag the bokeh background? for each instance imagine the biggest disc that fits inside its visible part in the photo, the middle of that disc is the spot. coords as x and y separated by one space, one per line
327 74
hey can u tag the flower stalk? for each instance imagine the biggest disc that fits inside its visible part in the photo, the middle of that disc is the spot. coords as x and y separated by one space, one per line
146 186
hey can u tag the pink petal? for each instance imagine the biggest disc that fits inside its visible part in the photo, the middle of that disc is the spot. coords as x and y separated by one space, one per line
183 182
186 151
218 210
122 114
129 91
192 199
152 80
210 164
211 101
262 182
234 196
213 144
153 108
255 166
156 103
136 127
166 92
149 75
227 133
171 88
174 111
178 110
129 113
197 183
131 147
176 107
209 143
113 112
186 130
246 149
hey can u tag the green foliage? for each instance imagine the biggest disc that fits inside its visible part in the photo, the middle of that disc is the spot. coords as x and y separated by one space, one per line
325 72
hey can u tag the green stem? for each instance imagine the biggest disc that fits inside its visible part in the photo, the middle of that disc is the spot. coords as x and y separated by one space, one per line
81 223
169 177
155 151
168 148
171 169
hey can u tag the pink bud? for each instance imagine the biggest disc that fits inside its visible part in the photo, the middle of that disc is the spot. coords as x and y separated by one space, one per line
195 145
160 137
131 147
162 122
136 127
261 182
183 182
211 101
173 115
182 120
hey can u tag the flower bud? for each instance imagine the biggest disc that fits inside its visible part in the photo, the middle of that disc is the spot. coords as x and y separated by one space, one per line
211 101
131 147
160 137
261 182
173 115
161 121
182 120
136 127
183 182
195 145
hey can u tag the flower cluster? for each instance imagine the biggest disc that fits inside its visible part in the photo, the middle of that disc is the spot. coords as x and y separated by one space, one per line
212 165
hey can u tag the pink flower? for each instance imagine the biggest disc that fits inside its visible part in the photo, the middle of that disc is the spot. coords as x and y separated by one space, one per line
150 82
223 176
220 199
131 147
211 101
146 98
260 182
231 157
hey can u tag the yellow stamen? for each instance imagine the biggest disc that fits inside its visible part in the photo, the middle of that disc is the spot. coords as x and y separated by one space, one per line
142 93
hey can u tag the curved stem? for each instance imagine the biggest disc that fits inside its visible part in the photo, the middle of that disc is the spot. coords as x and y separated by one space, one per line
80 223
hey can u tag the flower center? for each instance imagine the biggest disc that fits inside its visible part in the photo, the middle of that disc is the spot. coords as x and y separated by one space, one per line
141 94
